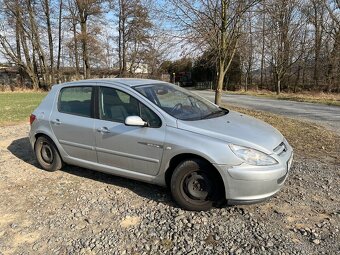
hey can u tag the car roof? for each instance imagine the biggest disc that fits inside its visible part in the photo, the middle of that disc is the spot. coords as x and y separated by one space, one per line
129 82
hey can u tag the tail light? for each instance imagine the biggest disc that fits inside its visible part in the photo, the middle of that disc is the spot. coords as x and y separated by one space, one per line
32 118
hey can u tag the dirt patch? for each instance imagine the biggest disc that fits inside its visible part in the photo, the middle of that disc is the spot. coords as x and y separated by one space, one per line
130 221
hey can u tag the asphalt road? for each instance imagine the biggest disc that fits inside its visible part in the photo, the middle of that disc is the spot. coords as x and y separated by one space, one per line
327 116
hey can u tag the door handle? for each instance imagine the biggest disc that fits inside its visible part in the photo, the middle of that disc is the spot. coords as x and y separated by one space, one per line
104 130
57 122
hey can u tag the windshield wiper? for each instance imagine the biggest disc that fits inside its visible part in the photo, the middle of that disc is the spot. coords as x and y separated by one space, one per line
213 114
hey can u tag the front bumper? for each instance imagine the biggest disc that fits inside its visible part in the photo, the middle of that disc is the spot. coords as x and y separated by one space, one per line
245 184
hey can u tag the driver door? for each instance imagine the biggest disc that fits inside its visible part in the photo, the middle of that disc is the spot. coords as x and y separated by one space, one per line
130 148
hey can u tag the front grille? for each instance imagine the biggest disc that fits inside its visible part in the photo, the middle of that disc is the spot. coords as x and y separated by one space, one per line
280 149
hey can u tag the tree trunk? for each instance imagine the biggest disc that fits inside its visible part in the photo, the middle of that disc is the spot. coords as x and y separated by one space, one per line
317 20
83 27
219 87
122 38
249 78
297 80
59 39
222 57
75 41
263 46
278 88
50 41
18 25
29 64
37 45
303 82
124 55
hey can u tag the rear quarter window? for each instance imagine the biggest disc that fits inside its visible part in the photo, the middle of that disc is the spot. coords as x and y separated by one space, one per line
76 101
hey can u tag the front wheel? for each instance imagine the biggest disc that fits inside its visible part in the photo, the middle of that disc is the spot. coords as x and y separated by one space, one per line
47 154
194 185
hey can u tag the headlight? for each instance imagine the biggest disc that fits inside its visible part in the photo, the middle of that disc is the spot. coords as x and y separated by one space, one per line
251 156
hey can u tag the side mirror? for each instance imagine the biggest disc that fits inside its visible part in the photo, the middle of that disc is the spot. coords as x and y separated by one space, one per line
135 121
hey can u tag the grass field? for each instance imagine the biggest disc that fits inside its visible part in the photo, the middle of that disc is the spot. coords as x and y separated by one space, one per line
17 106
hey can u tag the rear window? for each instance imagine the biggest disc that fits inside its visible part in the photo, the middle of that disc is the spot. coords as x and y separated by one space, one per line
76 101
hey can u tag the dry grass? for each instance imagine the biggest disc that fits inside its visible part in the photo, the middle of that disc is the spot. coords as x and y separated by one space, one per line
311 97
307 139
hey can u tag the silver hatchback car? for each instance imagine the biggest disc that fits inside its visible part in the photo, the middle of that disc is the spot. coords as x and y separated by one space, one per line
159 133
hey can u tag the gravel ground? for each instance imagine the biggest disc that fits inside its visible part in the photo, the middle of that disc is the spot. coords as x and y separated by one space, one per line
79 211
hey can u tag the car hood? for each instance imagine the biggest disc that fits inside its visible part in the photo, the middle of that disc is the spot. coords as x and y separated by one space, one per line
237 128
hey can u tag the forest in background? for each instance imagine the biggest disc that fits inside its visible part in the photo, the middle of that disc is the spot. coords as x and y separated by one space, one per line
290 45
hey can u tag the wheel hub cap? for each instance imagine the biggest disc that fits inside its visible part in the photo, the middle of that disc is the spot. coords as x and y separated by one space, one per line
197 186
46 153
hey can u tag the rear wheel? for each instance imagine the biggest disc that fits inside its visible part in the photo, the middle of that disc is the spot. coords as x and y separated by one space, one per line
194 185
47 154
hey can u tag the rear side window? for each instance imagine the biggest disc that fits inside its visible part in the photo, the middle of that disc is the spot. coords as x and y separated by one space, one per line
76 101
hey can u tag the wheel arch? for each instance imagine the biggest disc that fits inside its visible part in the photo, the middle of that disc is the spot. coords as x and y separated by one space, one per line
54 162
174 161
40 134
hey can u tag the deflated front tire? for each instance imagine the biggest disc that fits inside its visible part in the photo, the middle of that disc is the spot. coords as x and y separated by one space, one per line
193 185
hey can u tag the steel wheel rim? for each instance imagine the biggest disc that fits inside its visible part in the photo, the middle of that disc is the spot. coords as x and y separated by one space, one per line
197 186
46 153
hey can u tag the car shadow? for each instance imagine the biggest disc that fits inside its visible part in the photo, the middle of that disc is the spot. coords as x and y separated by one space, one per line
21 148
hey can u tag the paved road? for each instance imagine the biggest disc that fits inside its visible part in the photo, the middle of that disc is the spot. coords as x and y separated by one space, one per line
327 116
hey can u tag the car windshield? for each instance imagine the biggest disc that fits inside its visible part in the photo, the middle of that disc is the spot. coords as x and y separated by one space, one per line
180 103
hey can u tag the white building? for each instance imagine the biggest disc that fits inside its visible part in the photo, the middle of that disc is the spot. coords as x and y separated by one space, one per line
137 68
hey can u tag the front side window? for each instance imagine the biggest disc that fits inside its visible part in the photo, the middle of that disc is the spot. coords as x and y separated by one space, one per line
115 105
180 103
76 101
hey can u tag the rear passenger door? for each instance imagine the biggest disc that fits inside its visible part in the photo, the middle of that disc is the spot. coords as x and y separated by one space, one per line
72 122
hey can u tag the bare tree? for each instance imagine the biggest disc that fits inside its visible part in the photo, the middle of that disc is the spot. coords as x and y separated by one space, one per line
122 20
46 9
285 26
263 22
215 25
86 9
133 34
36 43
333 72
18 31
138 36
316 17
282 45
247 49
73 20
14 11
59 36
